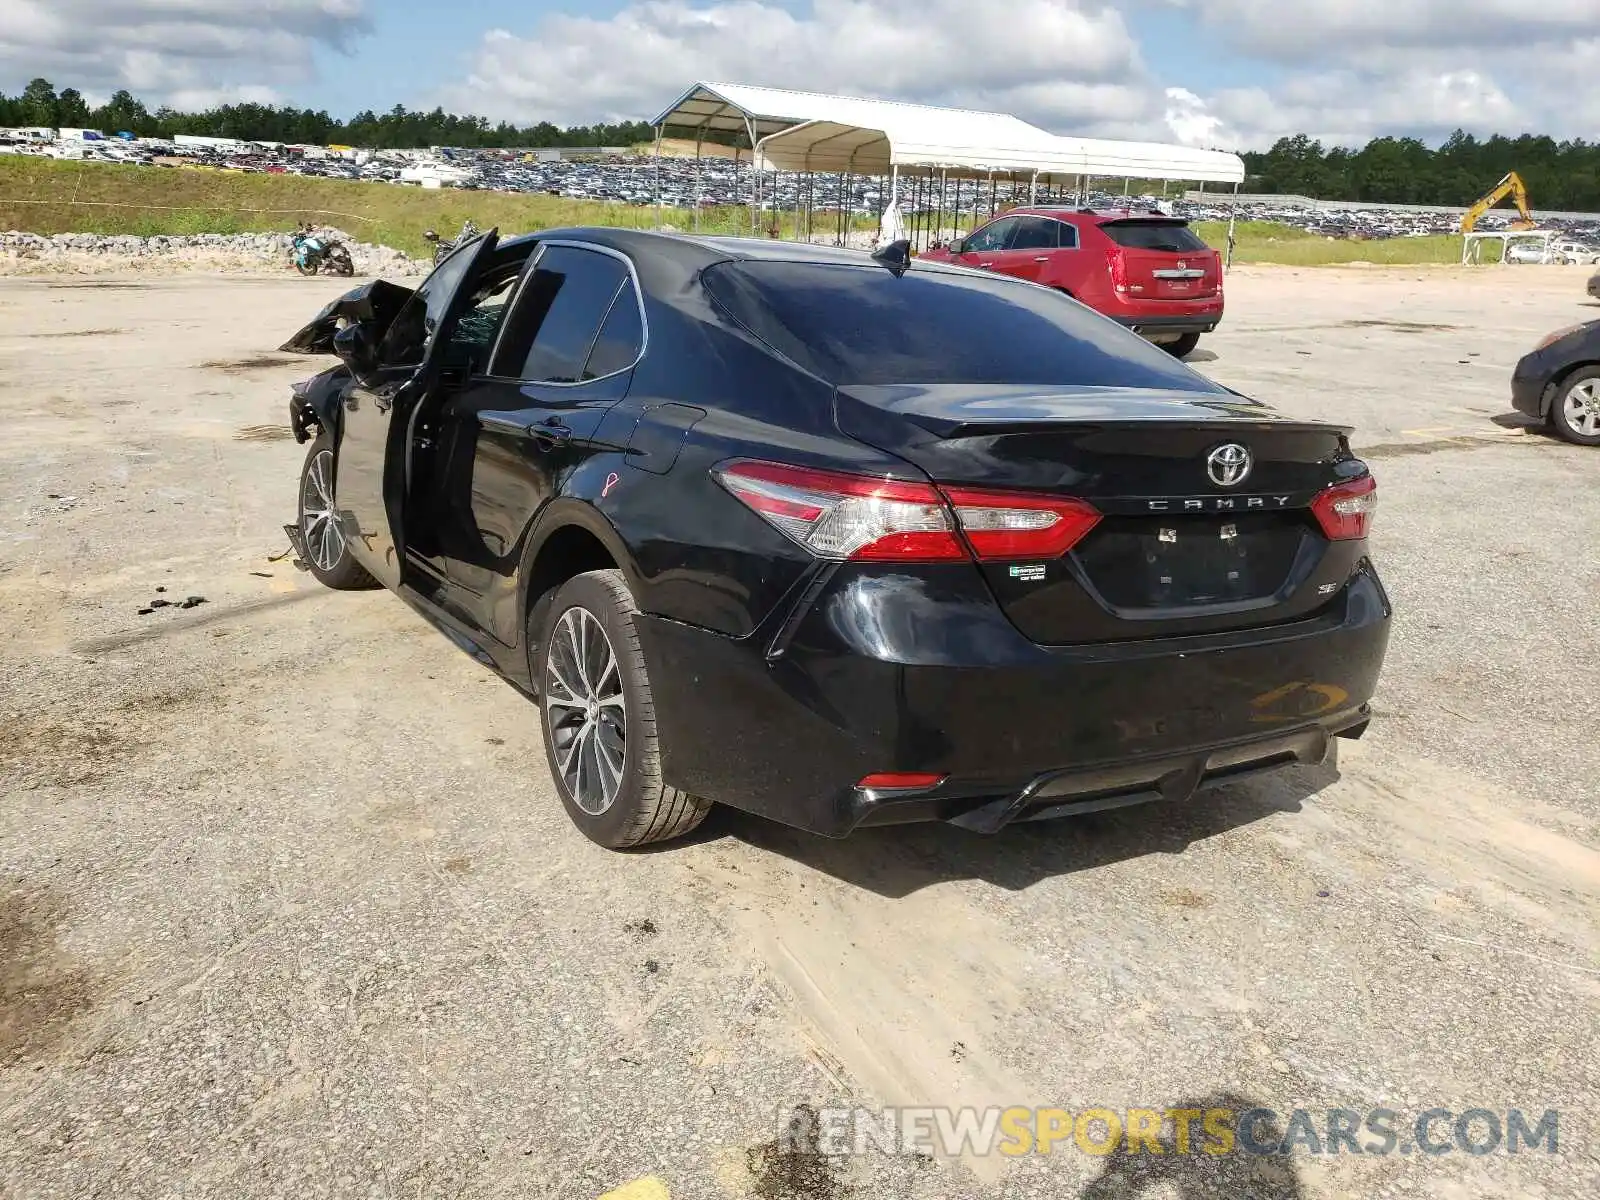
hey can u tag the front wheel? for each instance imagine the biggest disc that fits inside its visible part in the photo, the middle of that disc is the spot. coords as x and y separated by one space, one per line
307 266
327 553
1575 412
1183 346
599 717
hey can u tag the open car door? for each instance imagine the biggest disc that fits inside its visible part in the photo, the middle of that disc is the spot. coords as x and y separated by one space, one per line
372 464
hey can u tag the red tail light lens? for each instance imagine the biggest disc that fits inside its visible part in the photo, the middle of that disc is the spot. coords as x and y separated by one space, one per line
1003 525
842 516
901 781
1119 271
861 518
1345 510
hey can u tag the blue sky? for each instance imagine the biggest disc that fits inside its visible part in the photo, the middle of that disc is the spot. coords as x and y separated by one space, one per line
1231 73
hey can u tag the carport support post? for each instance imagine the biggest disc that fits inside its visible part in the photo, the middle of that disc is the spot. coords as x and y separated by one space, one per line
1033 187
1233 215
755 184
656 186
698 138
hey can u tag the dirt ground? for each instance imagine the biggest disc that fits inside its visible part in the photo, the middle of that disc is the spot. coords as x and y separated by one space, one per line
289 908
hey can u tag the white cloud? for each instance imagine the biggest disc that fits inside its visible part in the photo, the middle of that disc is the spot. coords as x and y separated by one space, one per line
1073 60
173 51
1349 107
1355 68
1314 30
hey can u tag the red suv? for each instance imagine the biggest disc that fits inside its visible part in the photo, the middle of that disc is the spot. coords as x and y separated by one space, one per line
1149 272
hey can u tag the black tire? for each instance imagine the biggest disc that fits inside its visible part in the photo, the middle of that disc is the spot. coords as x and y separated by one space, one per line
641 808
336 570
1581 389
308 267
1183 347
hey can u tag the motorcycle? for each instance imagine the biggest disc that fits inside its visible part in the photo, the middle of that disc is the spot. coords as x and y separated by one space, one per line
314 254
443 249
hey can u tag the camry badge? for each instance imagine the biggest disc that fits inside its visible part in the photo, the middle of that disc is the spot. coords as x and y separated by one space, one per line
1228 465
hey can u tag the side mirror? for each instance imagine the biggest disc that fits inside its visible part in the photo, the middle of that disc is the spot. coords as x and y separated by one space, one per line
357 349
957 246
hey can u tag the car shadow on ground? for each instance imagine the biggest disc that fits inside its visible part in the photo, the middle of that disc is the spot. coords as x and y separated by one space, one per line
896 861
1197 1171
1200 356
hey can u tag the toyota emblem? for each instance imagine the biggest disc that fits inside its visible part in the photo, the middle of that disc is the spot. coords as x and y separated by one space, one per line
1182 266
1228 465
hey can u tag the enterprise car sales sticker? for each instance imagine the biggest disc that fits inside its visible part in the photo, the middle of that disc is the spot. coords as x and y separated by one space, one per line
1030 573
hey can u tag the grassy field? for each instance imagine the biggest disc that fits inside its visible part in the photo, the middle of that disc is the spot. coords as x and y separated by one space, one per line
42 195
1265 242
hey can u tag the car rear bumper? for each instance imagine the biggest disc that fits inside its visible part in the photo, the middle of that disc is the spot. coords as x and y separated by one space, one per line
1159 323
904 673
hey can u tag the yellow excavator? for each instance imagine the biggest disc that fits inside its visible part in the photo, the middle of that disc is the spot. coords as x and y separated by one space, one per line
1512 186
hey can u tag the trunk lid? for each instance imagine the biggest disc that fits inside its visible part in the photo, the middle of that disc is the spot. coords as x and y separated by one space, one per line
1175 550
1162 259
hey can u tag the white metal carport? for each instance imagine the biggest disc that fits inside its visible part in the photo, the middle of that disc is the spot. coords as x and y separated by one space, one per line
807 132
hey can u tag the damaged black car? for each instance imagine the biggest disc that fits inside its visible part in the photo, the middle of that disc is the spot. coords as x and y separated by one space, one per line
840 540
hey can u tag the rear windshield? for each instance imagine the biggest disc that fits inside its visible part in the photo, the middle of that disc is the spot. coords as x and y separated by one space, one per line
1153 235
864 325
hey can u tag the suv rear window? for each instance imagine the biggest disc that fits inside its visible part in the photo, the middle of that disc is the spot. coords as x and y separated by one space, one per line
864 325
1175 236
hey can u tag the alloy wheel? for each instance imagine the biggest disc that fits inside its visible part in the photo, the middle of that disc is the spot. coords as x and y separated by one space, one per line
1582 408
586 711
324 540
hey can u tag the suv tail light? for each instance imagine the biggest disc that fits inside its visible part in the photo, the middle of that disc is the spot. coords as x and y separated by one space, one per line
840 516
1345 510
1119 270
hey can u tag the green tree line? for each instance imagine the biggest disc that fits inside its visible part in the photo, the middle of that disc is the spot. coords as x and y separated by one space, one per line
40 104
1561 176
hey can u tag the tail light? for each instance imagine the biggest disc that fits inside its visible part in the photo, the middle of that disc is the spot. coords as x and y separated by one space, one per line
1345 510
840 516
847 516
900 781
1119 270
1004 525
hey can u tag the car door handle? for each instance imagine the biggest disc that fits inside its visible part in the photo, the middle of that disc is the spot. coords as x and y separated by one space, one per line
551 431
986 265
1042 258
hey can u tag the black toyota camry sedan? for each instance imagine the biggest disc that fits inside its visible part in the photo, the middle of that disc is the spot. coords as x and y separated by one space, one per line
837 539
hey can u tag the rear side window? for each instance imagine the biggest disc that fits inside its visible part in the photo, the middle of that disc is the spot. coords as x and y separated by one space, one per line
1036 233
1173 236
558 314
864 325
621 336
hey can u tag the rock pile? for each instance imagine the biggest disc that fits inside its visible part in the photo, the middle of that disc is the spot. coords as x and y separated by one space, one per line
77 253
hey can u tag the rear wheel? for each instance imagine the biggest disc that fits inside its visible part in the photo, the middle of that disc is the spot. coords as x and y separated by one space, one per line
599 717
1183 346
1575 412
327 553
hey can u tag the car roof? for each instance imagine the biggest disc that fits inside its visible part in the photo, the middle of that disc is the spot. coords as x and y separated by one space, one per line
709 249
